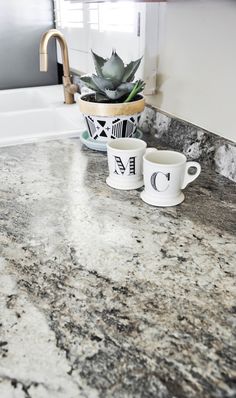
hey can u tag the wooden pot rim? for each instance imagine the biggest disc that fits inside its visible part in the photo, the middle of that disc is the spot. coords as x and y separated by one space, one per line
101 109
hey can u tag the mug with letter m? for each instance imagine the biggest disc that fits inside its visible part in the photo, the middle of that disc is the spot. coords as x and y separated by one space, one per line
125 163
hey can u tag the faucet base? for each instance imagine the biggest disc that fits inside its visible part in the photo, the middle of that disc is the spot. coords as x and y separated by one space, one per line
69 98
69 90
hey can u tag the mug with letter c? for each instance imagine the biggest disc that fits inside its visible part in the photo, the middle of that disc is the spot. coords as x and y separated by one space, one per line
166 173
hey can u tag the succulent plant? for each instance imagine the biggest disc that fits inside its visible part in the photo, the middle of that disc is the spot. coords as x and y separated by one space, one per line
113 81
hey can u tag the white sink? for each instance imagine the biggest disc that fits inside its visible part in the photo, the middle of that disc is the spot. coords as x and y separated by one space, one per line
37 113
36 125
20 100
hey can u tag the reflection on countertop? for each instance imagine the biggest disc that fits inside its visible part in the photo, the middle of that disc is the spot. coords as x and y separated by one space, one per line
105 296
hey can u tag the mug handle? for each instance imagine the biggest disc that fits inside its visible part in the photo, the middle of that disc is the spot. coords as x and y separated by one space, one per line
191 177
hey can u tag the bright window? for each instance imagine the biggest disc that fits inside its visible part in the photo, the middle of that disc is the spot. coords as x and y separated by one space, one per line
132 28
110 17
69 13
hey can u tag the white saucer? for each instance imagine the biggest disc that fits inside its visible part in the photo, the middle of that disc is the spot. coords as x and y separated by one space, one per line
101 145
126 185
152 200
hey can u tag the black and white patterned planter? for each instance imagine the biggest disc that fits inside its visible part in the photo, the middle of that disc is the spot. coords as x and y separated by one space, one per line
105 121
103 128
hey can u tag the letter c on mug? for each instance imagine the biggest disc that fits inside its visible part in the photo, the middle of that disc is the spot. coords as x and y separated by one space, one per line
159 181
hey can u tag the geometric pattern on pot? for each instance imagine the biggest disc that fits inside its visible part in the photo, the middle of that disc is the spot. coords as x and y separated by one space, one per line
105 127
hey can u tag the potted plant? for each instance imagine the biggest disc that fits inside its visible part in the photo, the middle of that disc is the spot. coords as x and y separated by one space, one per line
113 108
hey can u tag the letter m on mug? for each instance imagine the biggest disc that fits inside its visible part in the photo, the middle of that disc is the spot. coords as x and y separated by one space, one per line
128 168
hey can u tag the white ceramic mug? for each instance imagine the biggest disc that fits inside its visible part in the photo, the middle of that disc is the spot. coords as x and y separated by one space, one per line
125 163
166 173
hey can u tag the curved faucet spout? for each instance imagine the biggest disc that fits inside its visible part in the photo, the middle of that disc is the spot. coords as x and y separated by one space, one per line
69 88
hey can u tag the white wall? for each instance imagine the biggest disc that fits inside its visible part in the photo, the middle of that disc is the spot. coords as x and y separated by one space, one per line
197 64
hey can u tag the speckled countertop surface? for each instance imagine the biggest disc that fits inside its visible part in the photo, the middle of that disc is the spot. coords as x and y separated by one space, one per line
104 296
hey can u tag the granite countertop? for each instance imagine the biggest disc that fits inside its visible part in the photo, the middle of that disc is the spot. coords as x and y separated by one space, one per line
104 296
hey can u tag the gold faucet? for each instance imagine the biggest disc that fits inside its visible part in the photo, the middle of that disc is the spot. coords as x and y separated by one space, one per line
69 88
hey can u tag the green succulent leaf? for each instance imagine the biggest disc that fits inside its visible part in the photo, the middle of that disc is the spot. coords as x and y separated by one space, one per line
121 91
115 94
138 87
128 87
98 63
101 97
114 68
102 84
130 70
87 81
